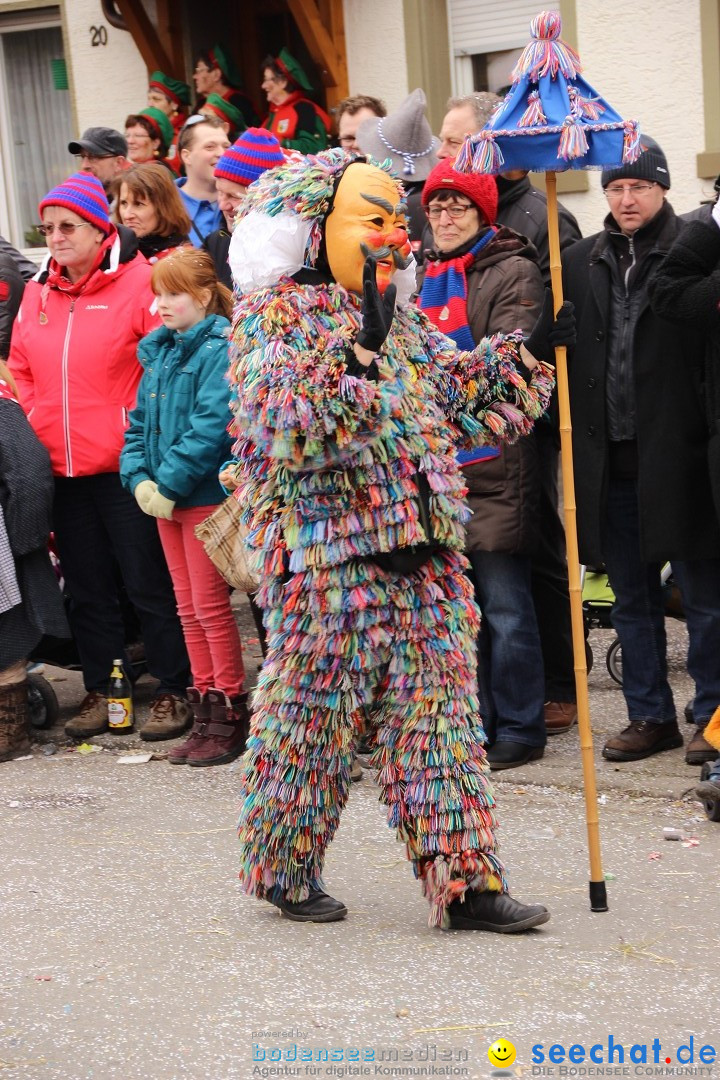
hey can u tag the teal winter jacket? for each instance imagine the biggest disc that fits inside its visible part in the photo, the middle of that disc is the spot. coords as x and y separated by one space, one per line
178 431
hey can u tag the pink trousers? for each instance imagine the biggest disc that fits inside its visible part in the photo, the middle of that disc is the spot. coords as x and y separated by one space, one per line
203 602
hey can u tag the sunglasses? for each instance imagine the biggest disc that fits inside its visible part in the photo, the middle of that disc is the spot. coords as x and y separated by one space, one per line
67 228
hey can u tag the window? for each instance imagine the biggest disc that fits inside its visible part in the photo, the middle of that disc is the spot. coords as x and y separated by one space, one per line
35 119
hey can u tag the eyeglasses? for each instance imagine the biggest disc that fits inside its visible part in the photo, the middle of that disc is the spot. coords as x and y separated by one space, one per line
67 228
613 193
95 157
454 210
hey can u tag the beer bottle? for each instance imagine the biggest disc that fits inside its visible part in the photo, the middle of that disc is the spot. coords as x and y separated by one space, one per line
121 715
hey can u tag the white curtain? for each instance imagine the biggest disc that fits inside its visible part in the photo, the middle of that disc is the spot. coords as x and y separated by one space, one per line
39 119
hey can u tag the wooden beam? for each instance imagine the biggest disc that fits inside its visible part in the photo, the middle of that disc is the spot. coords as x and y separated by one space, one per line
331 15
323 49
145 35
169 20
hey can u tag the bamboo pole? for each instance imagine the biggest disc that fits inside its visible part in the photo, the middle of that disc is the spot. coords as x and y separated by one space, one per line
598 890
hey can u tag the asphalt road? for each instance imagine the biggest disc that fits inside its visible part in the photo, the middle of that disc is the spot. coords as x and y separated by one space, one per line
129 951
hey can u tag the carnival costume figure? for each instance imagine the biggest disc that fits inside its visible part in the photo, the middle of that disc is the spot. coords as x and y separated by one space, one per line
349 413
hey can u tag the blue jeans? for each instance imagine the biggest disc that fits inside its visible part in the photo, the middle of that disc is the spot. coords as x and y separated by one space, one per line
97 523
639 616
511 677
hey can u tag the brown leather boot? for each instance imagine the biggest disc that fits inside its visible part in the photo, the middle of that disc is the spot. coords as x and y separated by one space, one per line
559 716
91 719
225 736
201 716
699 749
170 717
641 739
14 720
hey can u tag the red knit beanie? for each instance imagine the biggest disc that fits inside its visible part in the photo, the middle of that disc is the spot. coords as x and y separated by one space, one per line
479 188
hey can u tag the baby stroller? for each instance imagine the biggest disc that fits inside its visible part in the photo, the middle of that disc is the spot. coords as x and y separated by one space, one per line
597 602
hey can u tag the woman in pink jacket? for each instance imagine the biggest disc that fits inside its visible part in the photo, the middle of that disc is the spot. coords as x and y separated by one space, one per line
73 355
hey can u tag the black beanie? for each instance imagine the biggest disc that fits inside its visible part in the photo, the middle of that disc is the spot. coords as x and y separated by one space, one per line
651 165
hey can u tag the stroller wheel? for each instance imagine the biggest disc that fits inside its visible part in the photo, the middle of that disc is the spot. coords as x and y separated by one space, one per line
614 661
43 702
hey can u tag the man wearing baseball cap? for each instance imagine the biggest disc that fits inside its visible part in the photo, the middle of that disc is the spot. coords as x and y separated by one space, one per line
102 152
644 494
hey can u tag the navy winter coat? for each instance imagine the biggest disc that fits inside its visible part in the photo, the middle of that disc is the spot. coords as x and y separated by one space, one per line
178 431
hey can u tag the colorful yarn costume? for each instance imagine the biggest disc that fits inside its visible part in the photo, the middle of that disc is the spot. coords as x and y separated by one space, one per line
327 468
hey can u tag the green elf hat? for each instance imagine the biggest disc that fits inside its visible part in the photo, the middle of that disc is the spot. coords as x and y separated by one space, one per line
220 59
218 106
174 90
292 70
161 123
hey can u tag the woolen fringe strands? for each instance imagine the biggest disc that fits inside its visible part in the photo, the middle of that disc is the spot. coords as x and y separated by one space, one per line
328 467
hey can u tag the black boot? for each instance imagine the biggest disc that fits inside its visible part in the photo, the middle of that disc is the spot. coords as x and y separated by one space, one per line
319 907
495 911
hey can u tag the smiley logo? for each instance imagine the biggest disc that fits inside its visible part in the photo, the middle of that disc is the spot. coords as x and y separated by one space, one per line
501 1054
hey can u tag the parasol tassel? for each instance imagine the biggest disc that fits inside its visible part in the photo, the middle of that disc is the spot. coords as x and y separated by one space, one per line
584 107
463 162
487 157
631 142
573 141
546 54
533 115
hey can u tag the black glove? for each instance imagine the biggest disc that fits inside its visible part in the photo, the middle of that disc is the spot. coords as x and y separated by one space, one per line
377 310
550 331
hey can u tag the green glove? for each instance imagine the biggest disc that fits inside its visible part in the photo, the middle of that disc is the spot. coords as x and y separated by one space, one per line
143 493
159 507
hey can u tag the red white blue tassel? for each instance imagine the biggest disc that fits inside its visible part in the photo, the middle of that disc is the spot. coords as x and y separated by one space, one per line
589 108
631 142
487 157
573 140
546 54
533 115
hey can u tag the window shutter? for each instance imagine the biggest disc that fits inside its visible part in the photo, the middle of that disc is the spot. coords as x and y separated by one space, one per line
490 26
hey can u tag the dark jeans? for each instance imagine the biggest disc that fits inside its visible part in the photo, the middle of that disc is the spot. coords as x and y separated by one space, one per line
510 669
639 616
98 524
550 579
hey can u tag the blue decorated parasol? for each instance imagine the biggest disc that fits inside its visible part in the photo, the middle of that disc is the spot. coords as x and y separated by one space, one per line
551 121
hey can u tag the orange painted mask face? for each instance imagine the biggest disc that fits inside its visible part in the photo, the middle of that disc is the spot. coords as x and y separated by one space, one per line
367 219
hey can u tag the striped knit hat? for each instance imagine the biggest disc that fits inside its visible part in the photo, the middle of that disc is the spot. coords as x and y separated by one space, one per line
249 157
84 194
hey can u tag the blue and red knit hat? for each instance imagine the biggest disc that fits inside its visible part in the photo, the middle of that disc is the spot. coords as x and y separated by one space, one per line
84 194
256 151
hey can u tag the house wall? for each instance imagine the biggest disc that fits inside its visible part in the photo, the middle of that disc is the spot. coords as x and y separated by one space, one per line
107 82
376 49
644 58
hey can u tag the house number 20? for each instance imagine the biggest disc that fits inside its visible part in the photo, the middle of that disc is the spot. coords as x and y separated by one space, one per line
98 35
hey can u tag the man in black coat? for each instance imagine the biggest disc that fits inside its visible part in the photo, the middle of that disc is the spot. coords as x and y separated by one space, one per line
640 447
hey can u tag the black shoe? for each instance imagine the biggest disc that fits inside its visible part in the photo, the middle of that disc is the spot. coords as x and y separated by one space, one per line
496 912
505 754
641 739
319 907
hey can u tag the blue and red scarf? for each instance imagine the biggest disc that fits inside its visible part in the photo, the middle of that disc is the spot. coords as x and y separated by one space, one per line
443 298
